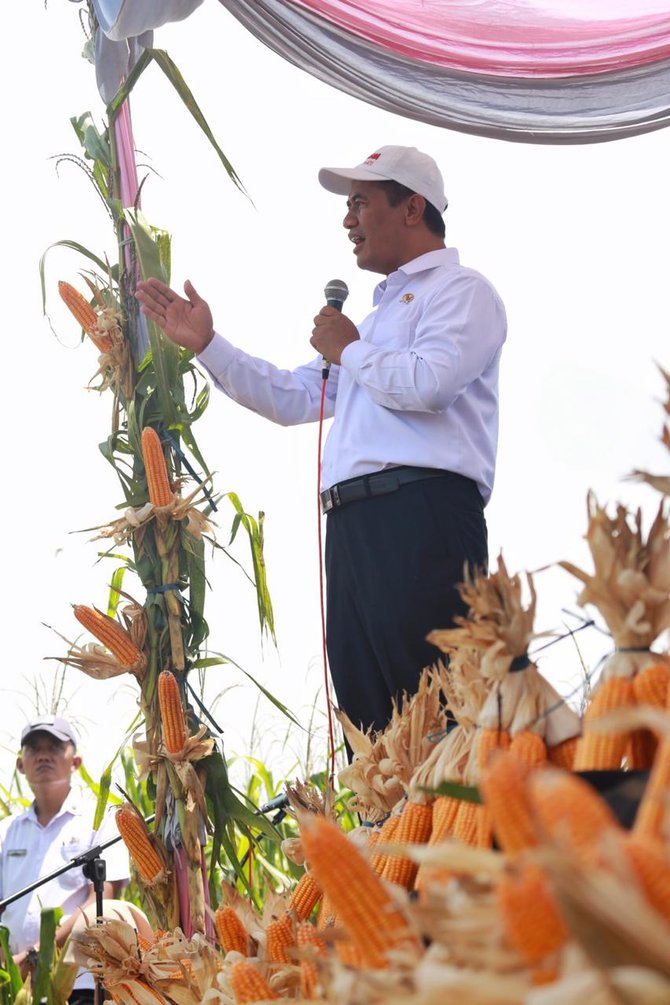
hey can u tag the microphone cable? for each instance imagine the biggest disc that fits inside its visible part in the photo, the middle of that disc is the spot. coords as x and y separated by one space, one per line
322 603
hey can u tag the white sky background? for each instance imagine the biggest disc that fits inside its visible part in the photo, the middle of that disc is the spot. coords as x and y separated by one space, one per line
574 238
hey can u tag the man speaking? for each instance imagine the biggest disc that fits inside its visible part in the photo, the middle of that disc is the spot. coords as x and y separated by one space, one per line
409 461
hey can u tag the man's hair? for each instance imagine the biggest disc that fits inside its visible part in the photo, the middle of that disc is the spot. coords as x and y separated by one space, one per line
395 193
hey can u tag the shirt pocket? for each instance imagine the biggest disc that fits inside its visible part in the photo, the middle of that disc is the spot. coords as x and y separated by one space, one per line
73 878
394 333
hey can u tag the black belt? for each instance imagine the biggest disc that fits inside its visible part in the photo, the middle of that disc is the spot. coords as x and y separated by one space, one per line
379 483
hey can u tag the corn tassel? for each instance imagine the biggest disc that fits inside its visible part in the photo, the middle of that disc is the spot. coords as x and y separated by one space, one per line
363 904
531 919
111 634
141 845
173 720
158 483
503 786
652 820
569 811
597 751
230 931
414 826
280 938
305 896
248 985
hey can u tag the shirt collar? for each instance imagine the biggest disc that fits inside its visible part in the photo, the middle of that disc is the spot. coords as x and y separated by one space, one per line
71 805
429 260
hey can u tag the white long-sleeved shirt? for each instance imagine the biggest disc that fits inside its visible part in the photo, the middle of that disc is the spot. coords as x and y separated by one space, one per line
419 388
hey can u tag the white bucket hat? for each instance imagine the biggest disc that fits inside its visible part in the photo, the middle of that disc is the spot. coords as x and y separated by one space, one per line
406 165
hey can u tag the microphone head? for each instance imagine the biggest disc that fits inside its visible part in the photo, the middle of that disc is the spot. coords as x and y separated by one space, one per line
336 290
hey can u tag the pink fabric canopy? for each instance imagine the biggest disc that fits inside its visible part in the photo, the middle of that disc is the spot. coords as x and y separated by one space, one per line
552 71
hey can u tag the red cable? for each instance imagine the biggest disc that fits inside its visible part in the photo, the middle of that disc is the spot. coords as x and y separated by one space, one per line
331 732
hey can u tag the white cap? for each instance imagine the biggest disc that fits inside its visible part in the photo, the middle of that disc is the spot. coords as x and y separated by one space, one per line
406 165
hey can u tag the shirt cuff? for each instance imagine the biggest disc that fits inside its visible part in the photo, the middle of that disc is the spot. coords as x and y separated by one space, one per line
218 355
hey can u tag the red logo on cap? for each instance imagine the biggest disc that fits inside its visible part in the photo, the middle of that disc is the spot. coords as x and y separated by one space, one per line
372 157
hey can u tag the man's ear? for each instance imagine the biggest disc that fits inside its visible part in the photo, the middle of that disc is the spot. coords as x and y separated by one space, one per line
415 208
19 765
76 762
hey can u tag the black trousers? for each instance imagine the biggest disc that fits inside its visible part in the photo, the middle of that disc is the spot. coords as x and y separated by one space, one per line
392 565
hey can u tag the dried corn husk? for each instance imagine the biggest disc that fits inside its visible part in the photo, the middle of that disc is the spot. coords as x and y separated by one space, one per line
659 482
630 585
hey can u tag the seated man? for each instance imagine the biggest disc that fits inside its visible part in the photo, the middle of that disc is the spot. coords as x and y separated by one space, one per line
56 828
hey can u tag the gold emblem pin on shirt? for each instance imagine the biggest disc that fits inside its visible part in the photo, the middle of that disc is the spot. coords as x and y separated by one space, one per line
407 298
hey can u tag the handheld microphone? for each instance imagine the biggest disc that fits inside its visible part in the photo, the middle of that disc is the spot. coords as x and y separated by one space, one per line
336 292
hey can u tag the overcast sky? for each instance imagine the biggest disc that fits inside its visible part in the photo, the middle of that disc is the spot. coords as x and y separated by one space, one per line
575 239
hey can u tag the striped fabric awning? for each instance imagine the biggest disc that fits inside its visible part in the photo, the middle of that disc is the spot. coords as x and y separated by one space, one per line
548 71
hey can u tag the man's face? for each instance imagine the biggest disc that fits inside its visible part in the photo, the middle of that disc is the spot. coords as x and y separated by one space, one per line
44 760
376 228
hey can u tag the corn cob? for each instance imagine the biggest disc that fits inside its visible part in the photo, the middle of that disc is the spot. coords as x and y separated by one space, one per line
465 822
531 919
310 946
414 826
78 306
445 809
598 751
489 741
305 896
111 634
361 900
641 750
326 917
652 819
135 992
349 953
528 748
158 483
173 720
280 938
562 755
650 686
503 786
650 865
569 810
231 933
248 985
141 845
384 834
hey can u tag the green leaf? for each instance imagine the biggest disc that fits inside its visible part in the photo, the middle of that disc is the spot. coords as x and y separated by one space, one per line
466 793
49 918
11 969
74 246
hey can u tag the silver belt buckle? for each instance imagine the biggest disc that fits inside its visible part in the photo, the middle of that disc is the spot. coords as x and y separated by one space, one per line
330 498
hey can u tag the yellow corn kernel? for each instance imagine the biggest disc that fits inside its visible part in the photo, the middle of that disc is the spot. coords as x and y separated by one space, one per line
305 896
142 846
569 810
651 868
532 922
248 984
111 634
173 720
384 834
362 901
487 741
280 939
158 483
652 819
650 686
414 826
326 917
230 931
597 751
445 809
528 748
465 824
310 946
562 755
503 787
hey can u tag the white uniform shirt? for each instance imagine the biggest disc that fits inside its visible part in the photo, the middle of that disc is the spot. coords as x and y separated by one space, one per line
419 388
29 851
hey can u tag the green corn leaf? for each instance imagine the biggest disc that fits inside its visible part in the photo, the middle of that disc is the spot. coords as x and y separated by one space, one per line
466 793
73 246
49 918
13 983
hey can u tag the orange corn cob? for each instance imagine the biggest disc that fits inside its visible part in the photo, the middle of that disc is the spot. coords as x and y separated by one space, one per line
78 306
231 933
248 984
641 750
489 741
141 845
280 936
361 900
414 826
310 946
445 809
650 686
652 819
531 919
173 720
650 865
569 810
465 823
529 748
135 993
158 483
385 834
597 751
349 953
503 787
562 755
111 634
326 917
305 896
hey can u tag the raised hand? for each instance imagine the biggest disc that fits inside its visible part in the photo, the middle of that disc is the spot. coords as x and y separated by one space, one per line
187 322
